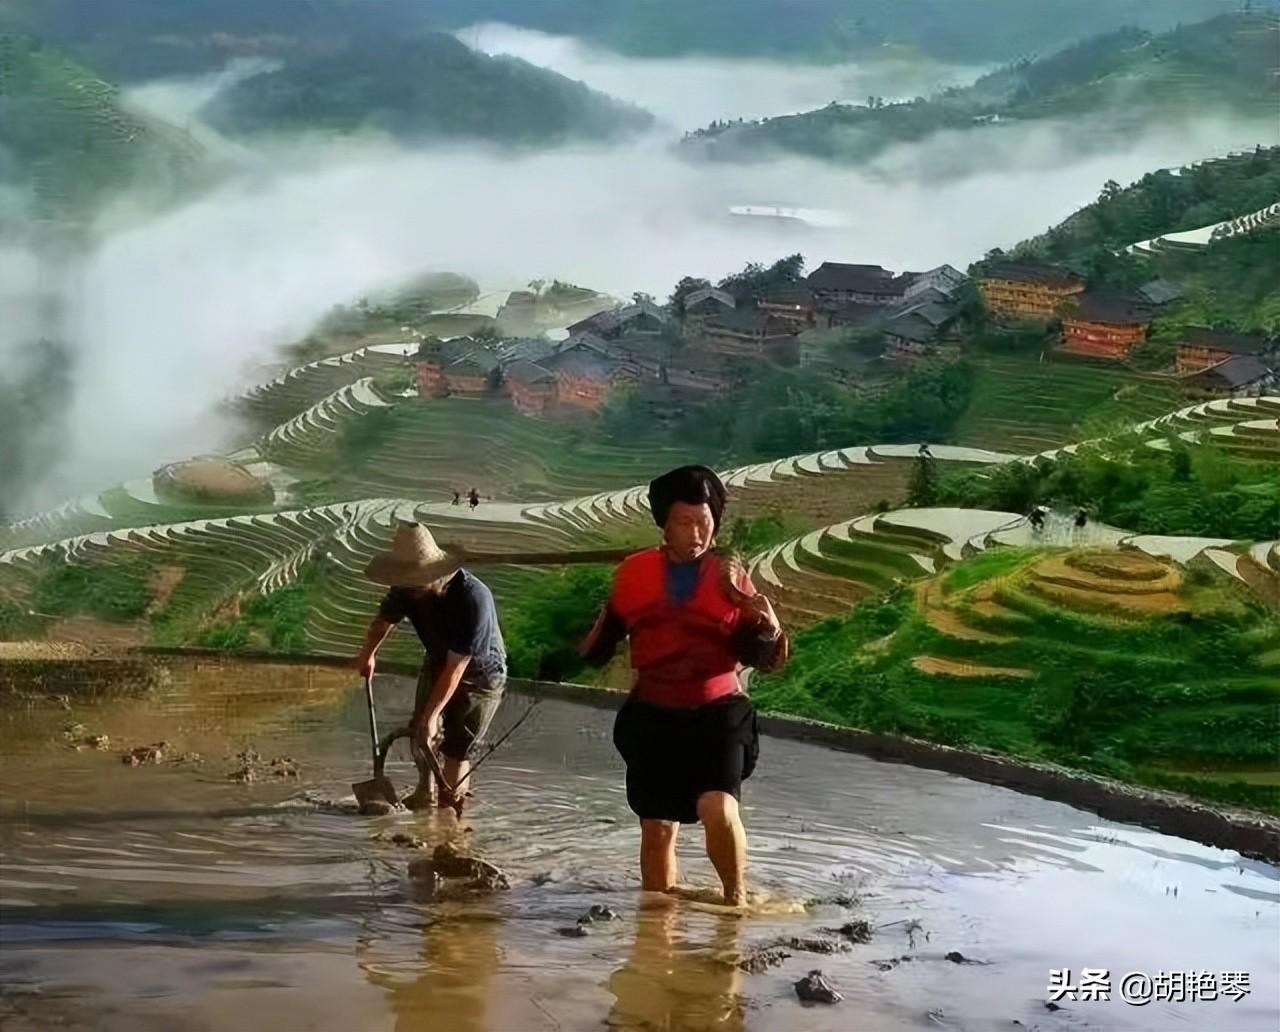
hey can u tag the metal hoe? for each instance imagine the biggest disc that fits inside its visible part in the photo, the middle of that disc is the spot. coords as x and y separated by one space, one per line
378 788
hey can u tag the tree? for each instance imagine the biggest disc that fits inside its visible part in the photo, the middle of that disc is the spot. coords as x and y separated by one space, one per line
922 491
686 286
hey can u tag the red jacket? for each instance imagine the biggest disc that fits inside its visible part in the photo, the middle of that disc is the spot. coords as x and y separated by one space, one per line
684 655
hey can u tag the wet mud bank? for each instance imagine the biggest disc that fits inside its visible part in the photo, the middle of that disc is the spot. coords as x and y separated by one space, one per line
1252 834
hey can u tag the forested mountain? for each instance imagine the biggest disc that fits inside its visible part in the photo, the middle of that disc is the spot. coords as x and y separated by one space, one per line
422 87
65 139
1230 63
1234 283
143 38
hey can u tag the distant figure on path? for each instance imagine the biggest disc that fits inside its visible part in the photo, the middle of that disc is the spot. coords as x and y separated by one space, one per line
457 497
473 497
1082 518
465 668
687 731
924 451
1036 518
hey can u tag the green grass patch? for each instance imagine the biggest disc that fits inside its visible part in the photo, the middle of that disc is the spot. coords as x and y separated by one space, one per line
996 562
115 591
1180 701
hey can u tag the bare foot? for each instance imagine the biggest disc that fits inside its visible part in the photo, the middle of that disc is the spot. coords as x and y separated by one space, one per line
421 798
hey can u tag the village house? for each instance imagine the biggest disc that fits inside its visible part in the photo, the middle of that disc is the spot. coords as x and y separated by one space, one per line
748 332
1237 376
706 303
838 283
532 388
1202 348
944 280
475 373
917 330
795 304
433 358
1104 327
642 316
587 378
1025 290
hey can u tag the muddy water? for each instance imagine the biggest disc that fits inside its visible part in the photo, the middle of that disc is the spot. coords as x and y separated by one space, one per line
166 897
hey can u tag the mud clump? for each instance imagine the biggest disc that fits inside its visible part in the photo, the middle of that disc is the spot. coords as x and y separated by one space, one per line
253 768
956 957
448 863
577 931
814 988
598 912
760 959
401 839
144 754
815 944
857 932
379 808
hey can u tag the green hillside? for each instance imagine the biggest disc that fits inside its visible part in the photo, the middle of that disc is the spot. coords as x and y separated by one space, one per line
428 87
1106 660
1228 63
66 141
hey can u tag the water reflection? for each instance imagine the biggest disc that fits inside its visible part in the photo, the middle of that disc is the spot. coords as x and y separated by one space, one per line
672 982
457 960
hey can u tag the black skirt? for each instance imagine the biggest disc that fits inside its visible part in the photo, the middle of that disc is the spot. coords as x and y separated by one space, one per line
674 755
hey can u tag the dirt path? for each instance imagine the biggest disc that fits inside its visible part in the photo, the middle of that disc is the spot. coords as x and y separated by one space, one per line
960 668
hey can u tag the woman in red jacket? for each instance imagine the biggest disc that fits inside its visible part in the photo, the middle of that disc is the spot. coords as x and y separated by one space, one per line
687 731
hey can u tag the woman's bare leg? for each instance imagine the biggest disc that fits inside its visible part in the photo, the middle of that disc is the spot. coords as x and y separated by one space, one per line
658 855
726 843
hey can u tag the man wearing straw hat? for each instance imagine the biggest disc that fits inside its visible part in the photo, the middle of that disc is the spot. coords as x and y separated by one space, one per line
462 680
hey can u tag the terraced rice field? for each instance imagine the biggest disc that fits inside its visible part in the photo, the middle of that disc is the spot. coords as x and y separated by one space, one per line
1124 660
280 400
1025 405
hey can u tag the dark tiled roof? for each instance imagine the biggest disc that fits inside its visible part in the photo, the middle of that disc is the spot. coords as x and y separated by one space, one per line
528 373
797 295
934 313
1237 371
584 342
1159 292
723 297
1224 340
855 314
607 322
528 349
862 279
479 361
912 327
1033 272
445 351
1117 311
584 363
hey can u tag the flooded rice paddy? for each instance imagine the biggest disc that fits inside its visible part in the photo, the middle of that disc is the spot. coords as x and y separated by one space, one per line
168 896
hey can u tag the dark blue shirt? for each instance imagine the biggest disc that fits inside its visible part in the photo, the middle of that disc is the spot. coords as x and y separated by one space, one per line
461 619
682 580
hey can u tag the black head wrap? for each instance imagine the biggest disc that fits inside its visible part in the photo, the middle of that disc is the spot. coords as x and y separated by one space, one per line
694 485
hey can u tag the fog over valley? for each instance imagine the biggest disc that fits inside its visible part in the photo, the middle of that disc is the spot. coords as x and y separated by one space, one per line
167 314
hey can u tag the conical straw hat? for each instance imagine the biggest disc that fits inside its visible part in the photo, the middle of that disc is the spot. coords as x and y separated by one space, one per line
413 560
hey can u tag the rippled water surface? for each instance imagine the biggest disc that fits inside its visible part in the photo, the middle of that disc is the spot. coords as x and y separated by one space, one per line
168 897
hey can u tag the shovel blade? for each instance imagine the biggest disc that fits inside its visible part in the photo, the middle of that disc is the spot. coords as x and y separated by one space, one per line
375 790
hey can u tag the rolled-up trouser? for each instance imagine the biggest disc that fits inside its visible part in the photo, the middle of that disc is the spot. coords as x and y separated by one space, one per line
467 715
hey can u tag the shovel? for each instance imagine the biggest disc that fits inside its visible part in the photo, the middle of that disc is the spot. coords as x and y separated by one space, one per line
378 789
